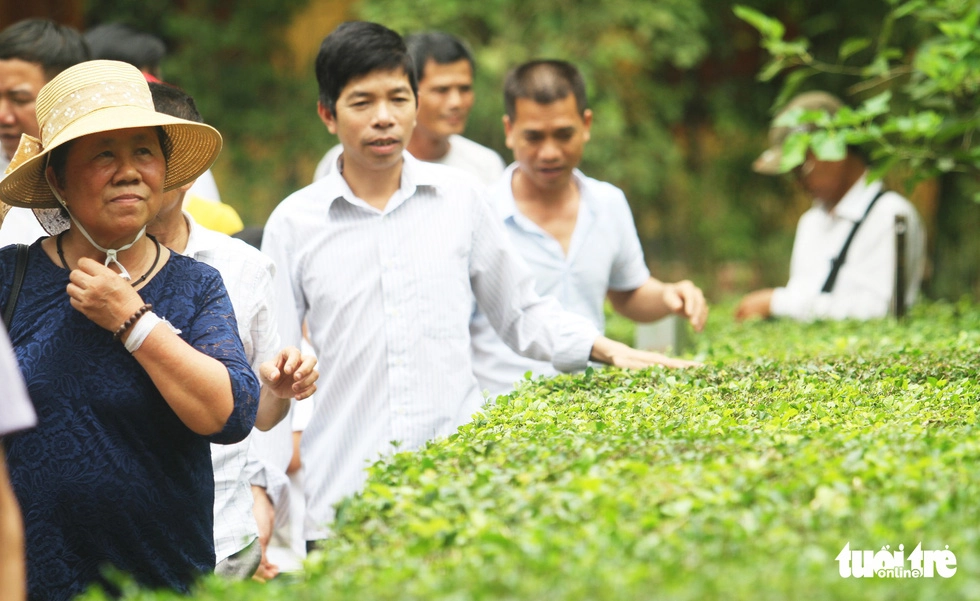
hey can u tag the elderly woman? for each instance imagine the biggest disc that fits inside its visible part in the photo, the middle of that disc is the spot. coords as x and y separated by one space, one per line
130 352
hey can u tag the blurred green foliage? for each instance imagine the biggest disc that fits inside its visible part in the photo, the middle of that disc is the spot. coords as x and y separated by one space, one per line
679 111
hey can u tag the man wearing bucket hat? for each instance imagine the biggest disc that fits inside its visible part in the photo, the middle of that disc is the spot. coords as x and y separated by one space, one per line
32 52
844 256
130 352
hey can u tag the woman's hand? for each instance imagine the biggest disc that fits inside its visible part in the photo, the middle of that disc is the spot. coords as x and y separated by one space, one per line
101 295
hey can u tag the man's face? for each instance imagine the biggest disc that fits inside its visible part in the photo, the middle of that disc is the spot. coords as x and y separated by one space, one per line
548 140
445 98
20 82
823 180
374 116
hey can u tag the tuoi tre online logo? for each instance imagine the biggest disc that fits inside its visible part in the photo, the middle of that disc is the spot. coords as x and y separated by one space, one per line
893 564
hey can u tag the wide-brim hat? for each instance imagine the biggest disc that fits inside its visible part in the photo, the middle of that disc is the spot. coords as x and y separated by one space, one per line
770 161
92 97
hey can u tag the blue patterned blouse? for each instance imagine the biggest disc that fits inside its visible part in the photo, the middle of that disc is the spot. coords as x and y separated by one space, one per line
110 477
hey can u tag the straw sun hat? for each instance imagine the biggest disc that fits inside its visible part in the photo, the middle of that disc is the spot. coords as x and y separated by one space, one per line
93 97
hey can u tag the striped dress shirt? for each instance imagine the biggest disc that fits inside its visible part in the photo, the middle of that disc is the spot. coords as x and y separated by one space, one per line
387 295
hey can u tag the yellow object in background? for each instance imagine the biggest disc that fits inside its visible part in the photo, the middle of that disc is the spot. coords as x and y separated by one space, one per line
216 216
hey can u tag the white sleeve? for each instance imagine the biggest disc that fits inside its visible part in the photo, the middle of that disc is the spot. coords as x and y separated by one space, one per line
290 306
629 270
16 410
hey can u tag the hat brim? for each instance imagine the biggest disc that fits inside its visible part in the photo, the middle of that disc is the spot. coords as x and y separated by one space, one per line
769 162
193 147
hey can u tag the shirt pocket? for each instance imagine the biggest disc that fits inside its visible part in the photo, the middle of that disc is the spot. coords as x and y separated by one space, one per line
445 298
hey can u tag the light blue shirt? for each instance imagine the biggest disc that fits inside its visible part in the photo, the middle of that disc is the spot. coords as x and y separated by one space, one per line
604 254
387 295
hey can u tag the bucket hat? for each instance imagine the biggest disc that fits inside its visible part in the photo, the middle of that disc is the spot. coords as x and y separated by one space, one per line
769 162
92 97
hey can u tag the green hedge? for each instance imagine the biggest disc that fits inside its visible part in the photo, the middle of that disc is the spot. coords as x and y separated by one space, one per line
742 479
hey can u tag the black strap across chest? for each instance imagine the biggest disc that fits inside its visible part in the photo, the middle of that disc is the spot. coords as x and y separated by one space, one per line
836 264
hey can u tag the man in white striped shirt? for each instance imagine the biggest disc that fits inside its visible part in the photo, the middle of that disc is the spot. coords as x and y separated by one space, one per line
383 259
243 483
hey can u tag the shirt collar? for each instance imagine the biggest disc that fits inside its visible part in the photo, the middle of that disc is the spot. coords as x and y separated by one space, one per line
507 204
855 201
414 175
199 238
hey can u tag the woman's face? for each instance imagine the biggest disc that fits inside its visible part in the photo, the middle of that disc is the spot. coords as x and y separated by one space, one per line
113 182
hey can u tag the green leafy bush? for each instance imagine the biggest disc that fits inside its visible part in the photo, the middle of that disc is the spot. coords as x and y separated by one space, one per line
918 90
742 479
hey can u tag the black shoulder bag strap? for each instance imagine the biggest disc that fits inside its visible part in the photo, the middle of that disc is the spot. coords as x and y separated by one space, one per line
836 264
20 270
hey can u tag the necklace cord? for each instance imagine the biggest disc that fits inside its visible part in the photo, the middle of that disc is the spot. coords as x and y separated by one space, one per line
141 279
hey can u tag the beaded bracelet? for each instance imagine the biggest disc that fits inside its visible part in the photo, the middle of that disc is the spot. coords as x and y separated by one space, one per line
129 322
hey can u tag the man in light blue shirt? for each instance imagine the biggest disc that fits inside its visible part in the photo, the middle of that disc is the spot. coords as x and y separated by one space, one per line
382 258
575 233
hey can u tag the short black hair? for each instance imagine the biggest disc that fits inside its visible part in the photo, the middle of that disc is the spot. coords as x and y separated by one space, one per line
171 100
42 41
118 42
355 49
441 47
544 82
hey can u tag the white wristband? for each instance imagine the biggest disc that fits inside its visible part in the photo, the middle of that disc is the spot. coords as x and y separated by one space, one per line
142 328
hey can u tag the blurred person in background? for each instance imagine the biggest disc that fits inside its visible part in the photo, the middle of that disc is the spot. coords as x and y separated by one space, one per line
844 257
32 52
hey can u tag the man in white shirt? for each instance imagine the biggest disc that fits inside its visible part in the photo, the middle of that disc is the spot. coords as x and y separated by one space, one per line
844 256
243 490
383 258
16 413
444 67
32 53
575 233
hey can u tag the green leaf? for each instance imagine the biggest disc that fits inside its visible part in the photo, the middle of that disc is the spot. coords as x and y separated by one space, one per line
828 145
772 69
877 105
852 46
794 151
792 84
767 26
